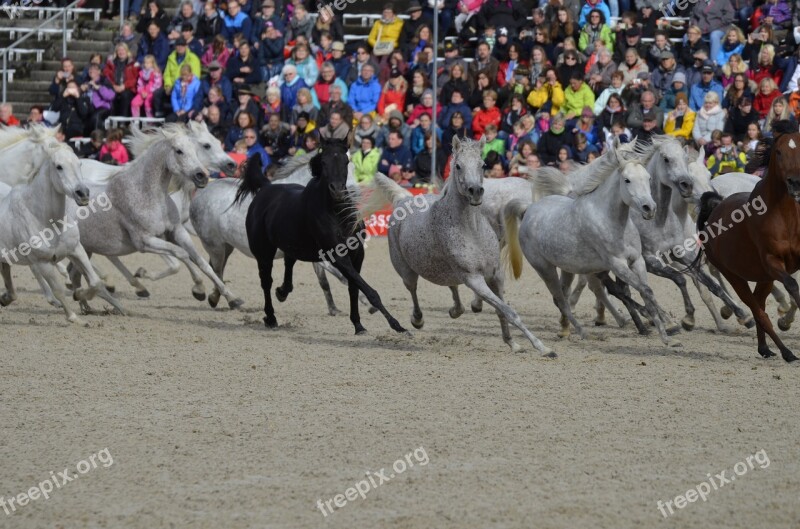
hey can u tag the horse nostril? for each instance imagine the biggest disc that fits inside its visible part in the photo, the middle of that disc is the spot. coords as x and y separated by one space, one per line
646 209
480 191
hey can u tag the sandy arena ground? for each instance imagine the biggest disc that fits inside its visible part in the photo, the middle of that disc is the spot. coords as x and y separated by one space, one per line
215 422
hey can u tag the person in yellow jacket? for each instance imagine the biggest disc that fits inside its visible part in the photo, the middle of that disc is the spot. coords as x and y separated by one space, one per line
388 27
727 158
577 96
548 89
680 121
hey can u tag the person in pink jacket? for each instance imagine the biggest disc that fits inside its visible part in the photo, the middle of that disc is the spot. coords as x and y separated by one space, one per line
149 81
113 152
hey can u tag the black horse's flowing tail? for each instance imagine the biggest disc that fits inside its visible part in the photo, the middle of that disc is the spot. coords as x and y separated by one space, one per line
708 202
252 180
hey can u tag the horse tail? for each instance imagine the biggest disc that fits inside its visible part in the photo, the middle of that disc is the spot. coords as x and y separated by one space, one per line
708 201
252 180
383 189
512 252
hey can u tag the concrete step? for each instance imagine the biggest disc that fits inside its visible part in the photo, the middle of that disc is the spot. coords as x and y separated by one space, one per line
28 98
40 75
90 45
81 58
29 86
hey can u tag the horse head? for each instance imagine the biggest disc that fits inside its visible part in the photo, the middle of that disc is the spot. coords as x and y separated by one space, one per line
634 188
671 165
182 157
466 169
783 154
209 149
330 165
65 171
700 174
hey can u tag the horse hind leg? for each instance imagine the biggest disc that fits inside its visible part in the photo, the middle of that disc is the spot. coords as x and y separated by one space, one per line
338 275
562 303
283 291
655 266
140 289
326 289
618 292
264 260
218 261
601 298
50 274
46 290
10 294
705 295
457 309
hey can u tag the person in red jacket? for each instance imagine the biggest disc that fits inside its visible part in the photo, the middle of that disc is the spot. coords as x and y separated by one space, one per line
486 115
394 93
767 93
123 73
7 116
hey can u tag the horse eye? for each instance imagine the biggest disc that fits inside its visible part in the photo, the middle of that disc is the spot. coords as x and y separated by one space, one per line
180 152
458 167
666 160
207 146
627 181
59 168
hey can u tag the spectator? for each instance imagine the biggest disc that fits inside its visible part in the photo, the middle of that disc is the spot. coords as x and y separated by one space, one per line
215 123
255 149
711 117
331 25
650 127
547 95
484 62
7 116
154 43
502 14
483 85
586 126
393 95
680 121
186 96
613 111
632 40
113 151
659 48
423 162
299 24
570 67
271 51
694 43
456 128
100 94
588 7
340 63
599 75
767 93
595 30
305 64
291 84
335 105
248 104
153 13
94 58
244 67
175 62
367 127
74 110
362 58
386 31
727 158
615 88
734 66
91 149
456 104
216 79
740 117
235 21
123 74
647 102
209 24
310 143
583 149
738 89
552 140
148 82
243 121
336 128
708 84
648 20
753 138
426 125
396 160
425 107
493 143
766 66
712 18
275 137
128 36
732 43
577 96
694 74
216 52
185 15
365 93
304 104
365 161
663 76
62 77
779 111
194 45
238 155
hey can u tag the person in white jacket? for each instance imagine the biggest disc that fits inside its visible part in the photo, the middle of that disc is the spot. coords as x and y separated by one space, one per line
615 88
709 118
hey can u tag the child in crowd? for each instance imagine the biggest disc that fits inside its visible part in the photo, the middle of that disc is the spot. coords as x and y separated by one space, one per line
493 143
114 152
148 82
239 155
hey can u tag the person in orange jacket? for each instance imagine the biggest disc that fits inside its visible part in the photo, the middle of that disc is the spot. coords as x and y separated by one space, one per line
486 115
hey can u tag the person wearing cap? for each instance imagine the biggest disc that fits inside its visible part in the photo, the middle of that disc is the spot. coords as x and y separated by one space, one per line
694 73
393 95
662 77
645 105
340 63
194 45
585 14
215 78
415 19
651 126
680 120
697 93
629 38
678 86
178 58
387 29
694 43
267 13
244 67
270 52
209 23
658 50
185 15
154 43
235 21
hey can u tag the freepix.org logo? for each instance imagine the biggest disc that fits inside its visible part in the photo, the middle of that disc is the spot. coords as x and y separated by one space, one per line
13 11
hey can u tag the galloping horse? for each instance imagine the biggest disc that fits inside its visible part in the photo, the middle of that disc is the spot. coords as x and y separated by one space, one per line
764 247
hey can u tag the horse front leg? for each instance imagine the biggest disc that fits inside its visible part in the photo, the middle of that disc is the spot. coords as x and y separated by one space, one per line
10 295
636 277
618 292
327 267
140 289
457 309
80 258
654 266
326 289
50 273
46 290
283 291
701 275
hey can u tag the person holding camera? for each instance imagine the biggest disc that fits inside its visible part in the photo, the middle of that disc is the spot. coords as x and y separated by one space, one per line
73 109
727 158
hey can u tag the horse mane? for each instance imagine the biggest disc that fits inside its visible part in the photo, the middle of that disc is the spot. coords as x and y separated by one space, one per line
293 164
140 140
10 136
589 177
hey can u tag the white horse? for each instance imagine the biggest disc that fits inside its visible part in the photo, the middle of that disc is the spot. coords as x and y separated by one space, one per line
36 232
144 218
447 240
590 234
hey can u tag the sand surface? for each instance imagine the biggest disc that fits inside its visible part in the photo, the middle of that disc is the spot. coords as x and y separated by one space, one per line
215 422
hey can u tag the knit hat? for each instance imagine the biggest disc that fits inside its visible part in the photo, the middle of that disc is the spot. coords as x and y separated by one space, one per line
679 77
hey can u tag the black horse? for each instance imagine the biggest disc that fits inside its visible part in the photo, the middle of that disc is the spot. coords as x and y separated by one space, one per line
309 224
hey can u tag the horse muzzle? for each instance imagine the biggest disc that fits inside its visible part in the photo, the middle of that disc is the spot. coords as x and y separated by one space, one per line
793 187
475 195
200 179
82 195
648 211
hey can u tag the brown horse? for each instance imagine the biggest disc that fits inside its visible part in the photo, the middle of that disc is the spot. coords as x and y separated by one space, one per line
756 236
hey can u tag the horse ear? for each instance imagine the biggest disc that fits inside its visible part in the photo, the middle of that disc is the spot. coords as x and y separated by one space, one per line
456 144
316 165
701 158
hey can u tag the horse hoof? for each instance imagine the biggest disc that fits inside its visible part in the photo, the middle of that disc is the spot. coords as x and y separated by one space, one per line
270 322
237 304
551 354
143 293
141 273
476 307
6 300
199 296
750 323
418 324
213 300
361 332
75 319
784 325
515 347
600 323
765 352
334 312
456 312
687 326
111 289
57 304
672 331
373 310
281 294
784 308
788 356
726 312
563 333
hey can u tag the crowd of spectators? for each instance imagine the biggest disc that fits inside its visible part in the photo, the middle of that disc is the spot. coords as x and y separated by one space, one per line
551 84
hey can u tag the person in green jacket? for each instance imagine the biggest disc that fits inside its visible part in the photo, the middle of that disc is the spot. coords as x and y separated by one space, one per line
176 59
366 160
493 143
577 96
597 28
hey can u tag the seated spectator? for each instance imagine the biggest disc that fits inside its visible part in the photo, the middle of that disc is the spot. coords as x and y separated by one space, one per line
185 15
367 127
305 64
615 88
35 117
710 118
386 31
694 43
484 62
694 73
489 114
275 137
123 74
752 139
217 99
186 96
650 127
113 151
583 149
663 76
235 21
618 132
262 19
215 78
493 142
7 116
335 105
418 133
396 159
300 24
209 24
248 104
154 43
586 126
727 158
327 79
735 65
128 36
289 88
74 110
419 83
766 66
216 125
647 102
513 113
732 43
551 141
62 77
740 117
340 62
300 128
595 30
698 92
100 95
393 95
238 155
305 105
365 93
779 111
680 121
271 52
586 11
767 93
739 88
194 45
153 13
365 160
90 150
613 111
494 166
630 38
255 149
310 143
456 104
599 75
577 96
336 128
148 82
548 94
243 68
456 128
423 162
668 97
518 161
272 103
243 121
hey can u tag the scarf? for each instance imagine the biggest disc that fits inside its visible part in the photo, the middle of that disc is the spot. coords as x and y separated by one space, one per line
146 73
119 71
706 114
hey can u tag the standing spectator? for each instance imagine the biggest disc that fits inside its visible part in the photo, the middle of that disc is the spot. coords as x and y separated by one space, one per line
711 117
7 116
712 17
585 15
698 92
148 82
186 96
123 74
244 67
113 151
74 110
332 26
235 21
209 24
154 43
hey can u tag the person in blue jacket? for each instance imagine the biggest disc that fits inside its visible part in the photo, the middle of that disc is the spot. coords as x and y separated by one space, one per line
365 92
697 94
256 149
236 21
154 43
456 104
395 155
187 96
292 83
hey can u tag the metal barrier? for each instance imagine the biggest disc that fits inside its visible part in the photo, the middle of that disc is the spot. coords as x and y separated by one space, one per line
62 13
113 122
15 10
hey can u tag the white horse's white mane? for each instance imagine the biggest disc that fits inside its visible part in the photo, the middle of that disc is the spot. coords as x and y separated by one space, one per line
10 136
140 141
